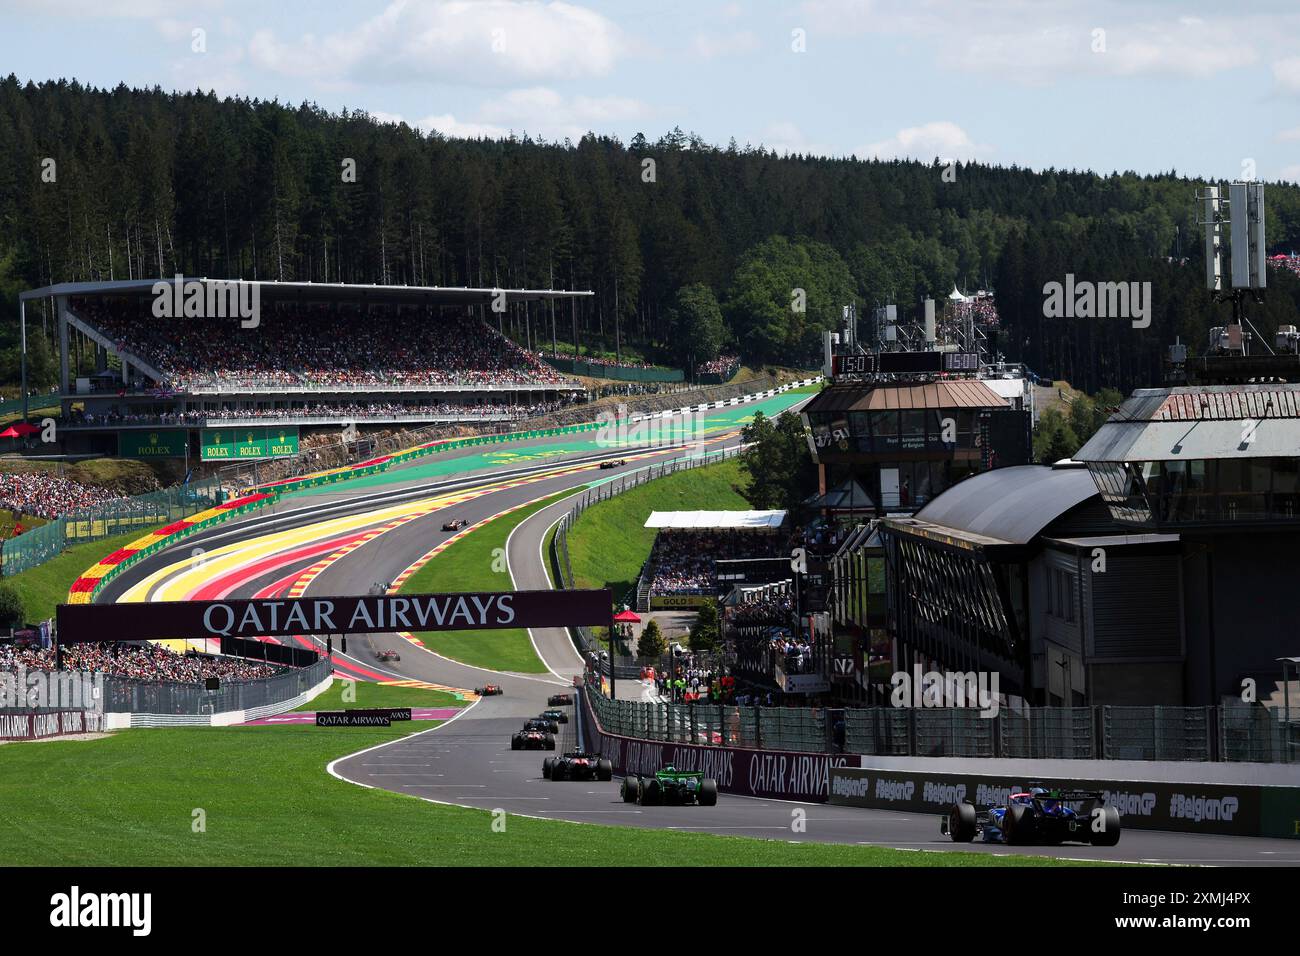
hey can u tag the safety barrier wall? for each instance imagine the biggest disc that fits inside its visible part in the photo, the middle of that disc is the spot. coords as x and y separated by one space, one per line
39 723
1245 734
773 773
1144 804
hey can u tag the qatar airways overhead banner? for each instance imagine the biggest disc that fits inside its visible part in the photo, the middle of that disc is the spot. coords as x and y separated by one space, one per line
371 614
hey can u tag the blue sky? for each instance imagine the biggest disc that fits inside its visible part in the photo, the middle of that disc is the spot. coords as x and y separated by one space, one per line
1209 89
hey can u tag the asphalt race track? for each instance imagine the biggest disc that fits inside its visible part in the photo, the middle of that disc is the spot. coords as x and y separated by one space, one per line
377 530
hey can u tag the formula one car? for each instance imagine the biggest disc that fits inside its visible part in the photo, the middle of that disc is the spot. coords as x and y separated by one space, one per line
559 716
488 690
671 786
1037 817
546 724
606 465
388 654
559 700
576 765
532 737
455 524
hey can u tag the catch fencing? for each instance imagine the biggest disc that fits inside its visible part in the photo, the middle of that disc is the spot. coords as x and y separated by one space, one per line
122 695
1230 733
100 521
626 665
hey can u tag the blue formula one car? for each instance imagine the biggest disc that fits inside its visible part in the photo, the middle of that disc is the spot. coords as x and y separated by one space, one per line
1037 817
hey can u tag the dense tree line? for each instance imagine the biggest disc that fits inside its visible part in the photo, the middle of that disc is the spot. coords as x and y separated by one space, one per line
691 248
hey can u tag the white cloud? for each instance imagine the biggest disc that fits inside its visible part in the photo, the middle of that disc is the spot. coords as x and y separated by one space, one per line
1291 173
942 138
490 43
1288 135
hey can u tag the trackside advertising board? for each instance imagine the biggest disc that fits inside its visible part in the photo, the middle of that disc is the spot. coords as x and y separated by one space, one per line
782 774
248 444
168 443
1187 807
373 614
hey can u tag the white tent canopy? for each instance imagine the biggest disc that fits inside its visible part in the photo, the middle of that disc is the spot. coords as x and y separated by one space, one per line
716 520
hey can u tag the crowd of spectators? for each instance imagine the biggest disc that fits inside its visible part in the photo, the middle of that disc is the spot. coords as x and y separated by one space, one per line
723 365
321 347
354 411
150 662
685 562
49 496
981 306
1291 262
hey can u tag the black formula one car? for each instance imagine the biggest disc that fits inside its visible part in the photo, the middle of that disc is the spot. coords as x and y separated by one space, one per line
388 654
576 765
488 690
672 787
455 524
1037 817
532 737
606 465
546 724
559 716
560 700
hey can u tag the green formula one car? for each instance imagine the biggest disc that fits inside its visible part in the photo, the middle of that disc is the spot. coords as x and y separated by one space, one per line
671 786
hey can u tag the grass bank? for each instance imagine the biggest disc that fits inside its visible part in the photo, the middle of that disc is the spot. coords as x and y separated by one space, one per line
609 542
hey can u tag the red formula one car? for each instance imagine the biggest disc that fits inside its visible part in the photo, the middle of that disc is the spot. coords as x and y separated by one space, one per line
559 700
489 690
388 654
455 524
576 765
534 736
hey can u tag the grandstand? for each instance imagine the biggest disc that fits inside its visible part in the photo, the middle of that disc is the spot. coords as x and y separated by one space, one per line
306 353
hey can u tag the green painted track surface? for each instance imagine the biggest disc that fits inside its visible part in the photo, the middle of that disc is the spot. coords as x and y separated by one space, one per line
520 453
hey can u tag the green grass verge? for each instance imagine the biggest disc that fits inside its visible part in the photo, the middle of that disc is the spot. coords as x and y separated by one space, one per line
46 585
609 542
131 800
378 695
474 564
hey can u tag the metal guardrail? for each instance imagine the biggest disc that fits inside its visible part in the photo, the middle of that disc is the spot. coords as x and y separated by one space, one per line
1248 734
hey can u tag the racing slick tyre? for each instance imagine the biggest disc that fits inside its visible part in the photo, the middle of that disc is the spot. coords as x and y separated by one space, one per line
604 770
558 770
708 793
1018 825
515 743
548 767
630 789
1110 825
550 742
651 793
961 822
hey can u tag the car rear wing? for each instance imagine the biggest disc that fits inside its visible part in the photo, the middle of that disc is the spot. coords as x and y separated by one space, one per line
1072 795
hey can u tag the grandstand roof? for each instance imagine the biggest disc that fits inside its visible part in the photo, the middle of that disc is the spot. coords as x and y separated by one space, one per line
956 393
715 520
319 291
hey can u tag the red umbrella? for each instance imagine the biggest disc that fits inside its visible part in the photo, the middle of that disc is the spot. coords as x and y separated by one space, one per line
26 428
626 617
10 432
